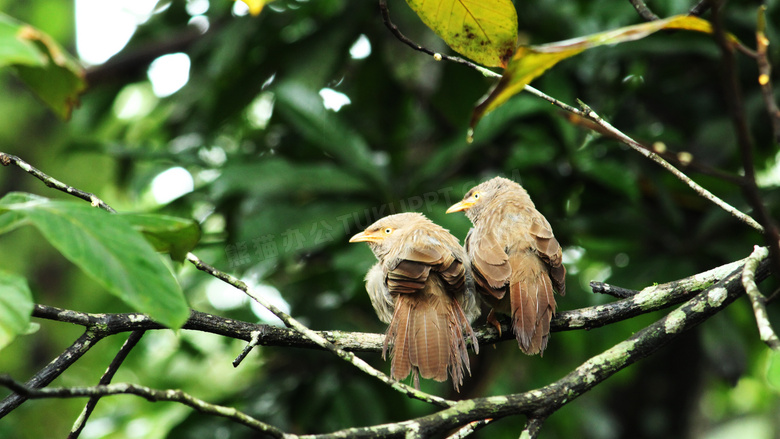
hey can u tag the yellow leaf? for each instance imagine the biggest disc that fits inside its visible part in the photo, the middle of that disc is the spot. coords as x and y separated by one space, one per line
530 62
482 30
256 6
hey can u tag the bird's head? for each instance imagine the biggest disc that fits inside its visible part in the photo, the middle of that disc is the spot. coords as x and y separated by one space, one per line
480 196
388 231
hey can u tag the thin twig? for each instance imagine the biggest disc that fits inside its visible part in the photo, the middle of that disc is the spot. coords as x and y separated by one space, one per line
532 428
153 395
636 146
470 428
700 8
589 114
248 348
437 56
317 338
733 95
643 10
765 331
128 346
611 290
765 73
7 159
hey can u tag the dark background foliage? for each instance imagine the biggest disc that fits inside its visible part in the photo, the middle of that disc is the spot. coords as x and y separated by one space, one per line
278 202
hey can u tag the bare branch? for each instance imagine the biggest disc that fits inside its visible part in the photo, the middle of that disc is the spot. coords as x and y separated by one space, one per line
610 290
700 8
636 146
532 428
765 73
643 10
437 56
52 370
7 159
128 346
758 301
733 95
153 395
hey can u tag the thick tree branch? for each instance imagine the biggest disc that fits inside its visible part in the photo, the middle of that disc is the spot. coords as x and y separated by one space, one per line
536 404
542 402
650 299
46 375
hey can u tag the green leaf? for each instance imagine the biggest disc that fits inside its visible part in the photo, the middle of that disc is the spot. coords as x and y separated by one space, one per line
9 221
483 30
530 62
773 370
277 175
16 306
305 111
44 66
167 234
109 250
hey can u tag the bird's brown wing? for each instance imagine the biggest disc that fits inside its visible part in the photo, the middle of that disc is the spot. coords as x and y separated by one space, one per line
547 248
412 265
489 261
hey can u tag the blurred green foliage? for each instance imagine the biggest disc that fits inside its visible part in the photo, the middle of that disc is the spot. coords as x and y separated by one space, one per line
280 183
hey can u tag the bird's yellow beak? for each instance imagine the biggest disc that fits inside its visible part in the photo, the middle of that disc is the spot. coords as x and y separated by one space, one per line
366 237
461 206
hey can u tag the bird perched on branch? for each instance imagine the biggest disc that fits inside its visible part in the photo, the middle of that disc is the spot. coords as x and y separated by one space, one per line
422 287
515 259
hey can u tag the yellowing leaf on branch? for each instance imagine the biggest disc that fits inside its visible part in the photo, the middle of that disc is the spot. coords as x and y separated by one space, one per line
530 62
44 66
482 30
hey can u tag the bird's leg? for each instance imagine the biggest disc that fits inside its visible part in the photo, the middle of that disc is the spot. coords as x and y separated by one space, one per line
491 318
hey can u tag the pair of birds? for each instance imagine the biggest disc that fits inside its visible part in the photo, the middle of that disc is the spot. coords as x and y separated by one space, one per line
424 282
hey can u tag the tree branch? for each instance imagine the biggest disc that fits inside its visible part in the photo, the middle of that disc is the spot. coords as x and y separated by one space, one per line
437 56
152 395
52 370
765 73
128 346
318 339
7 159
643 10
650 299
542 402
733 95
588 113
757 300
636 146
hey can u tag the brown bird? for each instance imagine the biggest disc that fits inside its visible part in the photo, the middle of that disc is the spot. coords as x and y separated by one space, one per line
512 249
422 288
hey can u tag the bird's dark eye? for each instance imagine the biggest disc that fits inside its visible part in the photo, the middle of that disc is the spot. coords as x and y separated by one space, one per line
476 196
388 231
